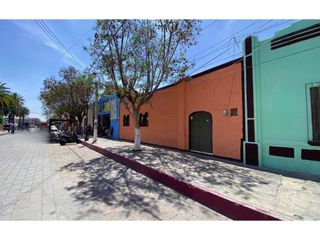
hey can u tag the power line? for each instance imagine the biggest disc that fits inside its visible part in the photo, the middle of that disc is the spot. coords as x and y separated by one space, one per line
227 38
261 63
259 30
227 43
209 25
75 43
266 28
240 38
209 61
55 40
63 46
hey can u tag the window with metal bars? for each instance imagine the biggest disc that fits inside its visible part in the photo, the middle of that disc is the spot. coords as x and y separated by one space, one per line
144 119
126 120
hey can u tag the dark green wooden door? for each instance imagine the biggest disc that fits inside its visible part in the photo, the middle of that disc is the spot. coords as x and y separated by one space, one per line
200 132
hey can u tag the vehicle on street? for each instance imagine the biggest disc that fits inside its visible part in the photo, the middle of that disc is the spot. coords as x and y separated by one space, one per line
54 134
68 137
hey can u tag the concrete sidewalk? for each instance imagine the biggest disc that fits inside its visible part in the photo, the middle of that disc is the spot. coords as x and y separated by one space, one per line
286 196
3 132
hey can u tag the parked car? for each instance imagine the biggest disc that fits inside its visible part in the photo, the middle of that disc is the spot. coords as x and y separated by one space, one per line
53 128
54 134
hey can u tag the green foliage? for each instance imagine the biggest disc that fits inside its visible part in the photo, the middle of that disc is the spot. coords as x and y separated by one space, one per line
137 56
69 96
15 107
5 99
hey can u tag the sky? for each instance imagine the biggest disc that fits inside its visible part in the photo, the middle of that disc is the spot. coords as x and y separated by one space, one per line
28 55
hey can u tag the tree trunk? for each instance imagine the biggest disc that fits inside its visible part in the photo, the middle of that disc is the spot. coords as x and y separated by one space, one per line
11 118
80 119
137 131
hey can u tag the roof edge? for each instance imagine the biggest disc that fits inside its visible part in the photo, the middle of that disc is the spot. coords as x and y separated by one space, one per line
227 64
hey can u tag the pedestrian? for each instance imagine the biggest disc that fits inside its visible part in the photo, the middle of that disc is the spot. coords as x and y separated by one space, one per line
12 128
89 129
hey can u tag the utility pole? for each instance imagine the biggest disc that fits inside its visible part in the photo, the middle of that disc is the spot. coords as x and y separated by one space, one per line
95 122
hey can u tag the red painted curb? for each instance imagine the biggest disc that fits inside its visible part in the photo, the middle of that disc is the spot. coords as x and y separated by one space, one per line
212 200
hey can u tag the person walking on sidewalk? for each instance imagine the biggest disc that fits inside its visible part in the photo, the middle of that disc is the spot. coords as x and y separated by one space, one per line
12 127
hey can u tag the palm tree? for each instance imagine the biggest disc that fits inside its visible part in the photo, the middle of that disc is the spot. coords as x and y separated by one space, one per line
5 99
13 108
22 112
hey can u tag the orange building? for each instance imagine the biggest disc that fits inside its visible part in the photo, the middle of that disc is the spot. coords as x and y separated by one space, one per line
202 114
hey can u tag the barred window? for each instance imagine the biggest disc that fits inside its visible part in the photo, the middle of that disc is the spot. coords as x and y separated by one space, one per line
126 120
144 119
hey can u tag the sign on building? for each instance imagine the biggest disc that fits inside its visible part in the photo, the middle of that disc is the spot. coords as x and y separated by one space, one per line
113 111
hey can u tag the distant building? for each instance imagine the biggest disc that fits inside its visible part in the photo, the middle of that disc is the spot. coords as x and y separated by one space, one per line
34 121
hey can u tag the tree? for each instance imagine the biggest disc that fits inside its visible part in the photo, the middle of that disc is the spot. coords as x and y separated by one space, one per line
69 96
16 101
137 56
22 112
5 99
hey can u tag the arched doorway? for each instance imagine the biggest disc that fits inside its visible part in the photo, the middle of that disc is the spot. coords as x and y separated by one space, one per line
200 132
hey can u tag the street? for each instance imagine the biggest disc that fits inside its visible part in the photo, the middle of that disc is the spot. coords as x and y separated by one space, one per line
45 181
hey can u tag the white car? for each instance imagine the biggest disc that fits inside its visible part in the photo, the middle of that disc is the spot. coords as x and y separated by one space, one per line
53 128
54 133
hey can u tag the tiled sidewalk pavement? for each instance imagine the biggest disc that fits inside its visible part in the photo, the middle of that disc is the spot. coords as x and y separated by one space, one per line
291 198
42 181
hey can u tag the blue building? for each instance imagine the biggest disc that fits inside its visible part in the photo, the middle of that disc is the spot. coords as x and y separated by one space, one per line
108 116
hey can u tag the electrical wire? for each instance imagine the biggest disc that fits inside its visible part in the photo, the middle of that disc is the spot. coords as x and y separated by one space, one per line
227 38
222 71
59 42
240 37
55 40
209 25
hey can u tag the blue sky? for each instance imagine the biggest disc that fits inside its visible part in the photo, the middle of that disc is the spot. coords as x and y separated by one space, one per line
28 56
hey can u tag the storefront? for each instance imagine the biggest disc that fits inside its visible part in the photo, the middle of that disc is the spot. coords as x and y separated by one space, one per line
108 117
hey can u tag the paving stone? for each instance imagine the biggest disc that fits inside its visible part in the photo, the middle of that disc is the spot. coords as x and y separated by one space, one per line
287 196
7 209
5 217
34 215
92 187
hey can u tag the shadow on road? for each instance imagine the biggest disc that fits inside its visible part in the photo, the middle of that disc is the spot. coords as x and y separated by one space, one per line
106 181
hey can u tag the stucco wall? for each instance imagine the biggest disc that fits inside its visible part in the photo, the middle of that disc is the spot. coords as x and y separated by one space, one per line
163 116
170 108
280 80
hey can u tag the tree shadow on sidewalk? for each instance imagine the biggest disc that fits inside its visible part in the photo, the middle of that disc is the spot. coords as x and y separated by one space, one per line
106 181
213 174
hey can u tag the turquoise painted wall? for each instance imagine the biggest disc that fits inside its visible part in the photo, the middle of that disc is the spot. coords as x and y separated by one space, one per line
280 97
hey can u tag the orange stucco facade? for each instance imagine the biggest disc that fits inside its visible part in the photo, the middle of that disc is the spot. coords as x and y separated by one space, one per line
213 91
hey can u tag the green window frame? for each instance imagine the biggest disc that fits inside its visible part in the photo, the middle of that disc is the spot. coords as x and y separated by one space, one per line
313 111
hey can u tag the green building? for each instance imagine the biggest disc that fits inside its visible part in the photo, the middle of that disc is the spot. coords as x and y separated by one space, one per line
282 99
